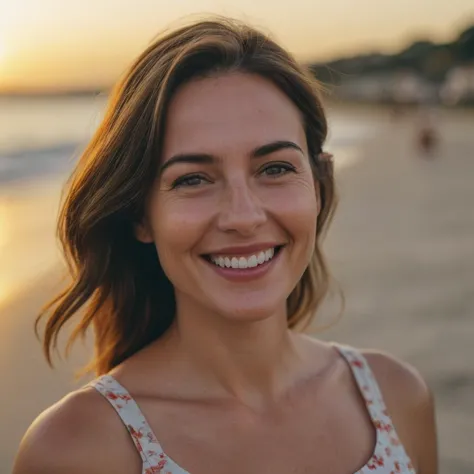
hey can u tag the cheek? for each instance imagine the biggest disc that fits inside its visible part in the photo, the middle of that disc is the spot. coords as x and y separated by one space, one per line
179 223
297 206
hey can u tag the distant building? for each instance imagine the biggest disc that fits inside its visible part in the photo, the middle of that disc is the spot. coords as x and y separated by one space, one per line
459 86
370 87
404 87
410 87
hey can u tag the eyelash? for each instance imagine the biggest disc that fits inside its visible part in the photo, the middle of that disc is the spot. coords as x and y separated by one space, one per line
282 166
183 181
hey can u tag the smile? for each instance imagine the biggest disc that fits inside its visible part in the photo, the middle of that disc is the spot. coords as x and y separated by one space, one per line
241 262
244 267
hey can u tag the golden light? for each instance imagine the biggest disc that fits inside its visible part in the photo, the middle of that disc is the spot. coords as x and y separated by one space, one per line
6 51
3 51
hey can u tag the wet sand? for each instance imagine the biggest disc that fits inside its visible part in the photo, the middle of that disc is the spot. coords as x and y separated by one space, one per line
402 248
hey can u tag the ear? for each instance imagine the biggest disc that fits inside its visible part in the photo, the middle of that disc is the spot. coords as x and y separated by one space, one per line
143 232
326 161
317 190
317 193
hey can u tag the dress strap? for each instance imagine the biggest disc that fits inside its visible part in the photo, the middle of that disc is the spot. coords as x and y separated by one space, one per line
132 417
365 379
388 442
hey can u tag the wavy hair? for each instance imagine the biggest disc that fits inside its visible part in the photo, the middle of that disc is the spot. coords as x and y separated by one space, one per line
117 284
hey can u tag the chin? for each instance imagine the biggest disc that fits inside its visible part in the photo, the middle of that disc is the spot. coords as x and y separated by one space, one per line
246 310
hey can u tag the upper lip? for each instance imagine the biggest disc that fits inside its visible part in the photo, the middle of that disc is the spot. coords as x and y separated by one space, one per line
245 249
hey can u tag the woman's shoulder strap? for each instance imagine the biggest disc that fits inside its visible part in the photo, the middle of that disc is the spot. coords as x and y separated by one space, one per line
132 417
366 381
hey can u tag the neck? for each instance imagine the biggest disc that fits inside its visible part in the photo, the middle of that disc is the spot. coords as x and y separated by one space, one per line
250 361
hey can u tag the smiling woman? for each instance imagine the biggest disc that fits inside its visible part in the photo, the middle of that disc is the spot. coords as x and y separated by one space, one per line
192 228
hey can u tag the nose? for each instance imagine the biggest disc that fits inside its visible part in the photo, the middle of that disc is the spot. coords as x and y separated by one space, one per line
241 210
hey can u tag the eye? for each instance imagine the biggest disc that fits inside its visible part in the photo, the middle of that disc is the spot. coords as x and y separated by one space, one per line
191 180
278 169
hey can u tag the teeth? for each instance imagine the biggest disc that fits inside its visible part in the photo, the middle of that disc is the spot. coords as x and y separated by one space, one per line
251 261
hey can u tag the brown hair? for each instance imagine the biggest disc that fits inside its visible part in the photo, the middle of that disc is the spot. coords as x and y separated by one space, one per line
117 280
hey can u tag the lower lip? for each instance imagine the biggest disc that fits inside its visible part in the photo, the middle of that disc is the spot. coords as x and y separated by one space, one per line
245 274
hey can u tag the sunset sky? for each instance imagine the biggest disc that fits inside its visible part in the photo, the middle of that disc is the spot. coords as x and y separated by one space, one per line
63 44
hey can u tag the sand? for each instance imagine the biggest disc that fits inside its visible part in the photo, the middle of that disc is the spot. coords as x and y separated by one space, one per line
402 248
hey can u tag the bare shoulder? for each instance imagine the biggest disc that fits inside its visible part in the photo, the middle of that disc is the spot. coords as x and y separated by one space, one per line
410 404
397 378
79 434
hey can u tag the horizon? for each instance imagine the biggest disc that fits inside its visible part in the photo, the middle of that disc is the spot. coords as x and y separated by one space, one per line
49 47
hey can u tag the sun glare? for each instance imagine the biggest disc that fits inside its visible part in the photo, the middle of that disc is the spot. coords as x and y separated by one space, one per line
3 51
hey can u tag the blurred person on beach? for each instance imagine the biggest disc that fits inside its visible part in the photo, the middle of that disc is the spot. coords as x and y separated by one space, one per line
192 229
427 137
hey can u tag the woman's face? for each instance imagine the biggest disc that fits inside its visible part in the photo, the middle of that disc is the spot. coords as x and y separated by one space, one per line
233 210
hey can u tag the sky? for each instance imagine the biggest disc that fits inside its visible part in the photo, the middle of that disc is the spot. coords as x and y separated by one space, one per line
70 44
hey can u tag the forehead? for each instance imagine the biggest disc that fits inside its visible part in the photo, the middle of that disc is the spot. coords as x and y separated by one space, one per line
231 112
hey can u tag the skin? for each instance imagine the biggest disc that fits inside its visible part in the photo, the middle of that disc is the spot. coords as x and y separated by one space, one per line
229 388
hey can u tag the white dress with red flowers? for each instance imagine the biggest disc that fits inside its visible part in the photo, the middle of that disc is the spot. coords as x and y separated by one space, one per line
389 455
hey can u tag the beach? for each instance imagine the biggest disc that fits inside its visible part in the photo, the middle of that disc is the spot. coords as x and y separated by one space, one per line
401 248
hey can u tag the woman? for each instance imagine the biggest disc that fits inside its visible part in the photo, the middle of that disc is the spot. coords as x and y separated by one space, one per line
192 230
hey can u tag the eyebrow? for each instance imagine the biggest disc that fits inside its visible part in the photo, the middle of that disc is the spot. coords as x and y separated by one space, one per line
205 158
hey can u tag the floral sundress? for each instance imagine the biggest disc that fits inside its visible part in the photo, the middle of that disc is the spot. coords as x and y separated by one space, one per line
389 456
